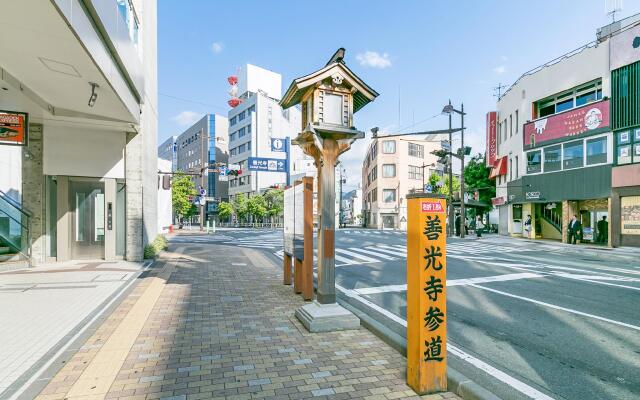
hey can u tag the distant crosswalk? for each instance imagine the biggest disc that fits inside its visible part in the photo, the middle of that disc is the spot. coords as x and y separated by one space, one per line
372 232
200 239
391 252
259 241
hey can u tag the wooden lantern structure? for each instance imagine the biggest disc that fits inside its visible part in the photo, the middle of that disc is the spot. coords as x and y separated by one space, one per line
329 97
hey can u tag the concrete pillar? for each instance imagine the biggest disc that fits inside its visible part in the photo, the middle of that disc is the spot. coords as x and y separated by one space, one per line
110 189
134 203
33 192
62 223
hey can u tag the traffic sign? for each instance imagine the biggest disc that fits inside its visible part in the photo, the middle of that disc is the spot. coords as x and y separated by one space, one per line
278 145
445 145
428 188
203 191
267 164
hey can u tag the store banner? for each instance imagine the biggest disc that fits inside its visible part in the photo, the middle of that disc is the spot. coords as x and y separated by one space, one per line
492 140
630 215
14 128
567 124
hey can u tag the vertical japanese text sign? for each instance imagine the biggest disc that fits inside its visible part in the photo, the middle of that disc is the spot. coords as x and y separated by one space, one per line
426 293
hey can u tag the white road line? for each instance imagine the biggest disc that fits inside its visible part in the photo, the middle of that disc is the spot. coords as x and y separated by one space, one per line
401 249
371 253
456 351
387 251
360 256
569 310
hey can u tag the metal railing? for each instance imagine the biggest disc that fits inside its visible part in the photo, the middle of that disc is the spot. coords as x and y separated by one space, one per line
15 226
250 225
553 217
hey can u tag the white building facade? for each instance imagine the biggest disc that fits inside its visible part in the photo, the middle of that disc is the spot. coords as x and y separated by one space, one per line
84 184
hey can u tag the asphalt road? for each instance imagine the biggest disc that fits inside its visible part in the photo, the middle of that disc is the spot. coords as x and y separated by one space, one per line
524 319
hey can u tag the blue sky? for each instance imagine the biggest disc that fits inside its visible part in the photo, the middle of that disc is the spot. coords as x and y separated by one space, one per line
419 54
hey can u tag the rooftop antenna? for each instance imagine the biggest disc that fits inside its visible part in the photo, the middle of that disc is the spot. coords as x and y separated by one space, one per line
611 7
497 91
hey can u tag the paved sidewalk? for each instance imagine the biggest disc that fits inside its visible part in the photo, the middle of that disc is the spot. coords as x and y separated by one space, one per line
42 308
213 322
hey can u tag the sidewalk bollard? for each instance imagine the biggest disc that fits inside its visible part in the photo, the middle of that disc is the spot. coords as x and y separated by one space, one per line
171 228
426 293
214 227
207 226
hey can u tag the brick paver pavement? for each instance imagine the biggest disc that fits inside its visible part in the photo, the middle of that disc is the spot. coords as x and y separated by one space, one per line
223 327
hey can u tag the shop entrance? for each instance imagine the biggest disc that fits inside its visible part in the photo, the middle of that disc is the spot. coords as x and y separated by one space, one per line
86 205
595 229
388 221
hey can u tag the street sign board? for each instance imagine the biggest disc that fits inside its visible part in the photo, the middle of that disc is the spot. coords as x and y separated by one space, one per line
267 164
445 145
428 188
222 171
278 144
234 167
203 191
14 128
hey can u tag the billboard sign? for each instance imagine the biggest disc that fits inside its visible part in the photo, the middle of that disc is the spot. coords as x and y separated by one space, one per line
630 215
492 144
267 164
278 145
590 118
14 128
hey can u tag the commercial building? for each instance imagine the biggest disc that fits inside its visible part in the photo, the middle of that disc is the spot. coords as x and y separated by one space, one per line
552 145
393 168
253 124
168 150
79 92
198 149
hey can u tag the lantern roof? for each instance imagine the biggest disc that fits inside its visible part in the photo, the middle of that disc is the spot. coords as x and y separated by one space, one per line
362 95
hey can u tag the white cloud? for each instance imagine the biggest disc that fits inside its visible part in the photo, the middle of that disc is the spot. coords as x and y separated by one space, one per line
216 47
504 58
374 59
187 118
500 69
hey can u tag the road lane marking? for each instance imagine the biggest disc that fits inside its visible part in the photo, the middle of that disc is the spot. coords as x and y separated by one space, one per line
387 251
456 351
569 310
351 253
452 282
372 253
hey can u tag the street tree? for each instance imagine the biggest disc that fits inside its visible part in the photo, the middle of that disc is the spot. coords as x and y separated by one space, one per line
240 206
225 210
182 189
257 207
476 177
441 185
274 199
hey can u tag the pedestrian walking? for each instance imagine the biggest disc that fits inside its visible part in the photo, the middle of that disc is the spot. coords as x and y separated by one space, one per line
458 222
527 226
479 226
603 230
574 230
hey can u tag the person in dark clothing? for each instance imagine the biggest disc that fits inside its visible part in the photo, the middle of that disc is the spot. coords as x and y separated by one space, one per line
458 222
575 228
603 230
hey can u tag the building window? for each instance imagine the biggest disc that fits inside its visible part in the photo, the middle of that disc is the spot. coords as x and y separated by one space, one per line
510 125
504 128
498 130
416 150
248 146
553 158
510 169
232 152
389 146
232 137
374 150
628 146
575 97
597 151
249 129
516 165
241 132
517 122
241 148
388 170
573 154
374 195
241 116
415 172
388 195
534 162
233 121
251 109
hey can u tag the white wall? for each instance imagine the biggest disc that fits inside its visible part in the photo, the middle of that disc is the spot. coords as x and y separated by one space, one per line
84 152
254 78
11 171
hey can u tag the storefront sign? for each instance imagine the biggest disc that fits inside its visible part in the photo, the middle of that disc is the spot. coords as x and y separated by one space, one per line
492 144
567 124
14 128
498 201
630 215
624 48
532 195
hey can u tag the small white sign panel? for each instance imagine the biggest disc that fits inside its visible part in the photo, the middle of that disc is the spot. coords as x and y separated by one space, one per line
289 213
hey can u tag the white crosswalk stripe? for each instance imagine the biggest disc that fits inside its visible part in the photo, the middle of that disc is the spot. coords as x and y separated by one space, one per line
371 253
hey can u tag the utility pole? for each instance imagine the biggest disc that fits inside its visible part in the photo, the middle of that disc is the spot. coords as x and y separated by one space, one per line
462 212
202 177
450 202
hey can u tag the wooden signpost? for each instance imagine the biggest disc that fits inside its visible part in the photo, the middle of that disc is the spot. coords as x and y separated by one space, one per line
426 293
298 237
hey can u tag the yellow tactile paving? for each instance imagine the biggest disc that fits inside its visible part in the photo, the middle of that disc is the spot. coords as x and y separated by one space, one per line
99 375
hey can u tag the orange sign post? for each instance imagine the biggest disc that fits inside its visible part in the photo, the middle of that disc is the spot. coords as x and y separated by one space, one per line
426 293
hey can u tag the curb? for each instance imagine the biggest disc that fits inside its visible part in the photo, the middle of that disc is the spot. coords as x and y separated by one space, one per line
456 382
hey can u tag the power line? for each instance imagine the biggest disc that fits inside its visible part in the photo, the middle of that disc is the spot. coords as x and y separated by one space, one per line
192 101
419 122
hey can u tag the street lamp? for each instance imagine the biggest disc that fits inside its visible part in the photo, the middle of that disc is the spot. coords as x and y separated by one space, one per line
449 110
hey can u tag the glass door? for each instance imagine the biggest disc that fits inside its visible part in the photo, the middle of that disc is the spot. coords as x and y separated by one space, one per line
86 200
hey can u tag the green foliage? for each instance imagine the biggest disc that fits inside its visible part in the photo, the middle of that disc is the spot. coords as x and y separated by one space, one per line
154 248
476 177
444 189
240 204
225 210
181 188
275 202
257 207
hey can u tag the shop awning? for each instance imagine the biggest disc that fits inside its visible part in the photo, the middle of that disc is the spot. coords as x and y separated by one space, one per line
499 167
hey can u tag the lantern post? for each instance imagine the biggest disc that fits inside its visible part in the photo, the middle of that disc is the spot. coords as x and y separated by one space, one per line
329 97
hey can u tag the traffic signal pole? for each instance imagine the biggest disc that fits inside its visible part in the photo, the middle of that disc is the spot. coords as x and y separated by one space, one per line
450 202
